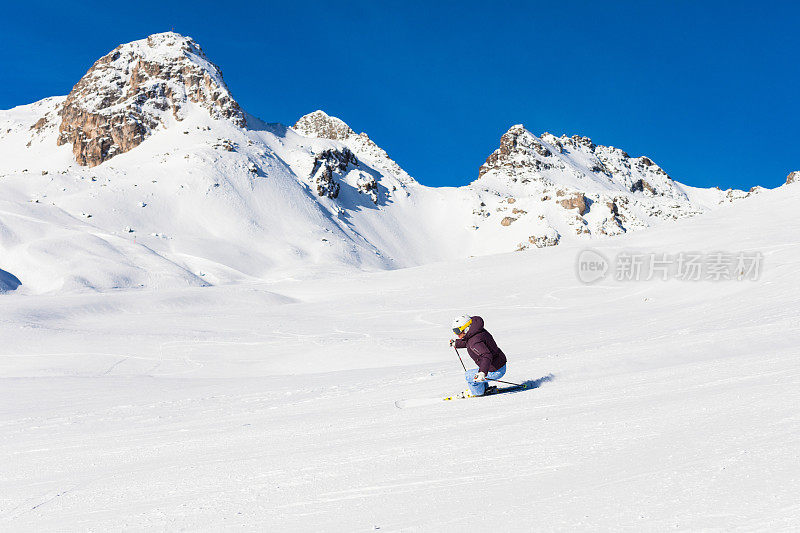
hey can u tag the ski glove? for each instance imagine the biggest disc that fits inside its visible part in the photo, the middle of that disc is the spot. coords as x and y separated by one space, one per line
452 342
480 376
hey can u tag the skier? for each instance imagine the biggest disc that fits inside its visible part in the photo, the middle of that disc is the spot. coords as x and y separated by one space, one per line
483 350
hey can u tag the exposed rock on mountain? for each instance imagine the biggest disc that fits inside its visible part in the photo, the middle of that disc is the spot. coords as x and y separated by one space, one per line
366 184
793 177
542 241
641 185
732 195
333 165
130 91
328 163
599 189
574 201
323 126
319 124
517 152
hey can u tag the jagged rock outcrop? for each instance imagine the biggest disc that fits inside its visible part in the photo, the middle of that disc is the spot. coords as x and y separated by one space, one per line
793 177
327 164
321 125
517 152
543 241
332 164
548 238
366 184
524 157
573 201
641 185
129 92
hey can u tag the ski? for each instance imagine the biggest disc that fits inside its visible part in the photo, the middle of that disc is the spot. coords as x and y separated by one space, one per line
402 404
460 396
494 392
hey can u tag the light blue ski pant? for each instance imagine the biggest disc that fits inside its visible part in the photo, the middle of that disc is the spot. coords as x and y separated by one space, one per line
479 387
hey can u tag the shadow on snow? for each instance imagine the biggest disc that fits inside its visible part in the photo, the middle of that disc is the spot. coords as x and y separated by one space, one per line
525 385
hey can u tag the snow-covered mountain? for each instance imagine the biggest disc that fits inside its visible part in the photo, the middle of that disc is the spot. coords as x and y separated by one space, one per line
150 174
265 403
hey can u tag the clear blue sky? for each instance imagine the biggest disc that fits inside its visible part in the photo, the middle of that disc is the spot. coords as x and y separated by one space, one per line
709 90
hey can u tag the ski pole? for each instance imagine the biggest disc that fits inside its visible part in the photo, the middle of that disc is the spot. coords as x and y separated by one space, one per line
487 379
506 382
459 358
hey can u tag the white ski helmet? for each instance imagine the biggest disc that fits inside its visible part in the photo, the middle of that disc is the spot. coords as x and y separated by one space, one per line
461 323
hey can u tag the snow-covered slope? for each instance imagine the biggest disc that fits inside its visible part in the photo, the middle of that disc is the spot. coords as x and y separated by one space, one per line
219 205
148 174
271 406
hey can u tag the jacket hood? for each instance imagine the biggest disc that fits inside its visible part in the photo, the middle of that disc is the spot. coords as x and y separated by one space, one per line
474 328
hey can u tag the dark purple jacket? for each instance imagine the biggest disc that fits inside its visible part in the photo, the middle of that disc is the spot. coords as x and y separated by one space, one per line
481 347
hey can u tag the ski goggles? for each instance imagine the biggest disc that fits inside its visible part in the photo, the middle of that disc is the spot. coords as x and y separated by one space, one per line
462 329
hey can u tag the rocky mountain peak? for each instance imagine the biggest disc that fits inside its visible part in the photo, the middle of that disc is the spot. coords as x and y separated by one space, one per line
599 189
131 90
519 150
321 125
575 162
